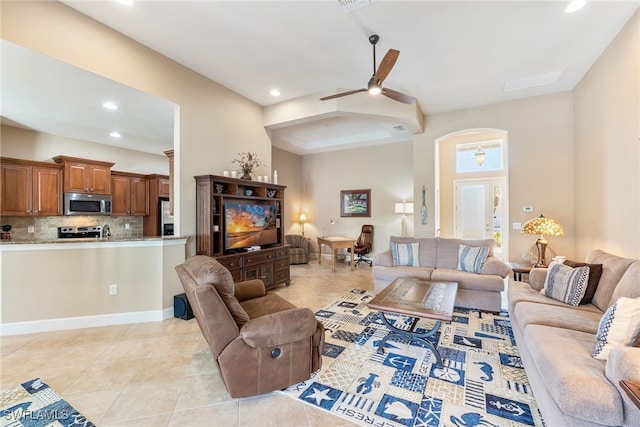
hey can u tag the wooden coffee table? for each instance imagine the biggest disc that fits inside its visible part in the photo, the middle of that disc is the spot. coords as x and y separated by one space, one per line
418 299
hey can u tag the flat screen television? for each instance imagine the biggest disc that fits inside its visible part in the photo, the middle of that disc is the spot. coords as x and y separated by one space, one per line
249 223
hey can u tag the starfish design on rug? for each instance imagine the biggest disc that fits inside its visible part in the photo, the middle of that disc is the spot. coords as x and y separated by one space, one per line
319 396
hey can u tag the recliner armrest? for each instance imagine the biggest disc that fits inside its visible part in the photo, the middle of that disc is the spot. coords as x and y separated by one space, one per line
279 328
495 266
249 289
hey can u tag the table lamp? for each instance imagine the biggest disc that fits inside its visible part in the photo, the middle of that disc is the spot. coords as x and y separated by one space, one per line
303 218
542 226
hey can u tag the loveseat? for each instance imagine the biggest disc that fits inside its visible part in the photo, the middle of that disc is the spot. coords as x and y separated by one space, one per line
438 259
260 341
559 342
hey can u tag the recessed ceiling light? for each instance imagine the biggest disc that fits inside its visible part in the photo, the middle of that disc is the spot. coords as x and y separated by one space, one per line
575 5
115 135
110 105
275 92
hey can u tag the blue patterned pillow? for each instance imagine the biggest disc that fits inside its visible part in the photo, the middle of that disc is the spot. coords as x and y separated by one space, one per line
619 327
566 284
405 254
472 258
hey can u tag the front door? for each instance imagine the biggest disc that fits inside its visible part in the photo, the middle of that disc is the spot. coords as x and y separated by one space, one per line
478 210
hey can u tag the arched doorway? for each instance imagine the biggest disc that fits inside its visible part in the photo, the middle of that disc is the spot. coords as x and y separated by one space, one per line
471 195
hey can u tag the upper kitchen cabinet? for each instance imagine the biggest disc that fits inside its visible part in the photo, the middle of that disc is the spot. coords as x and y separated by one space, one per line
130 194
29 188
85 176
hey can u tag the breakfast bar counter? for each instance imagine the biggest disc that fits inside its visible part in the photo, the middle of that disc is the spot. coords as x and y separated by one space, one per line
69 283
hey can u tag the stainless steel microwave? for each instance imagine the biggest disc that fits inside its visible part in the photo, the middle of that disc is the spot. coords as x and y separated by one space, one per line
87 204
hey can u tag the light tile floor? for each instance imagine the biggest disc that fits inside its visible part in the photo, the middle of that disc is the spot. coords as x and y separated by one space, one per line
163 373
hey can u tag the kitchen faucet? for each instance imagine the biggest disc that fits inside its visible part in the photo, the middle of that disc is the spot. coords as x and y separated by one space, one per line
105 232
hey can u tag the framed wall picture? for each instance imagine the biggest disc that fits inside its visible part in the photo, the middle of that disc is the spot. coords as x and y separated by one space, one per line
355 203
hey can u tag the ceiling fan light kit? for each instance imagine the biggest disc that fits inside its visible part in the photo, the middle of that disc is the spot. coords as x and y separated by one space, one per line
374 87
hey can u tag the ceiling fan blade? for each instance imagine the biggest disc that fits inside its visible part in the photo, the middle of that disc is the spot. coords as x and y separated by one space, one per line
398 96
386 64
339 95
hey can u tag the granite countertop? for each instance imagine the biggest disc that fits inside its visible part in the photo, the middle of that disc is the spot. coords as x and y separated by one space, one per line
89 240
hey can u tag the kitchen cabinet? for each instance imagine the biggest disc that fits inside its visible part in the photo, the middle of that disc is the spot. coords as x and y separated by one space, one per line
170 155
85 176
158 188
129 194
29 188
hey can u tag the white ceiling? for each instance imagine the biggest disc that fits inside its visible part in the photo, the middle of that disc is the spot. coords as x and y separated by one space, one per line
453 54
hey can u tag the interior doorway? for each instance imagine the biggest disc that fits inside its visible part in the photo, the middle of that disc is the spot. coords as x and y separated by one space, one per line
472 194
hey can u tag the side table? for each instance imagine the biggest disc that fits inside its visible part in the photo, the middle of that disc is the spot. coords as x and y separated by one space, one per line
519 269
632 388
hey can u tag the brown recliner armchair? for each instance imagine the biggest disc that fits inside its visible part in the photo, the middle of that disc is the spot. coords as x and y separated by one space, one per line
299 248
260 341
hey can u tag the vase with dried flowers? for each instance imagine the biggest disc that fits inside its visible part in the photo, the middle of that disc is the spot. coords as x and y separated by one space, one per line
248 163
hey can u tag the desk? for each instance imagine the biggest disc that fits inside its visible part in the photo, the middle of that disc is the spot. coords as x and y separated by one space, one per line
418 299
335 243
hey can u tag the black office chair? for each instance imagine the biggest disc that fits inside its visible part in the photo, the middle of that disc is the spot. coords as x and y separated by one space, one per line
363 245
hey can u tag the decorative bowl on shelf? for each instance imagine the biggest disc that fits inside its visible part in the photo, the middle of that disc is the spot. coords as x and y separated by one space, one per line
248 192
271 193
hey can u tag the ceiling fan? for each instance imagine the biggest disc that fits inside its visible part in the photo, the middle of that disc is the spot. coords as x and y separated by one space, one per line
374 87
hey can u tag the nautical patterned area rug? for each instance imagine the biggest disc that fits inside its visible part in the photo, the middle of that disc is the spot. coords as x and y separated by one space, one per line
35 404
482 381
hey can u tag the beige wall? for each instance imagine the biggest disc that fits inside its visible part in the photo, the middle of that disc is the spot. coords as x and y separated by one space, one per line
214 122
607 149
385 169
26 144
540 157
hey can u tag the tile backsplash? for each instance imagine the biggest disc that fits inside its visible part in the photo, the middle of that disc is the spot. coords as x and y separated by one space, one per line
46 227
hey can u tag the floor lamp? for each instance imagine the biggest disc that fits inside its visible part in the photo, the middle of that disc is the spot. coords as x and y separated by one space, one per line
542 226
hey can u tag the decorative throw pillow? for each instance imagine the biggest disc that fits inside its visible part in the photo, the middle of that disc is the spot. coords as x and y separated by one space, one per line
472 258
619 327
566 284
595 271
406 254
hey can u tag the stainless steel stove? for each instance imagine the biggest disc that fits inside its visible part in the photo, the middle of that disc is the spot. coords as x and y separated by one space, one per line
91 231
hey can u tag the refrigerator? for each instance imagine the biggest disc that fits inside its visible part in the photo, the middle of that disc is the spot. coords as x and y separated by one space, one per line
165 218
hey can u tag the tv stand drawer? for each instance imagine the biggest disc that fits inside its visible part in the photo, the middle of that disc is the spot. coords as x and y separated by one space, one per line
271 265
258 257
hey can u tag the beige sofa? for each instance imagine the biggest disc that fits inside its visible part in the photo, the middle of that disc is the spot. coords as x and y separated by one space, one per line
438 261
556 342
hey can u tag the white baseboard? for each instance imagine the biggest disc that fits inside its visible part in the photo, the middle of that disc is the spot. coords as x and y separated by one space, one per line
66 323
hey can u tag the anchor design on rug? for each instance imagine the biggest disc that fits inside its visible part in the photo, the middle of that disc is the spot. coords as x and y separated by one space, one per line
367 384
486 369
511 407
471 419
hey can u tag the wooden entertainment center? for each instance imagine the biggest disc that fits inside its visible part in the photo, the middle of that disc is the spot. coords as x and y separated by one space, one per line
271 263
